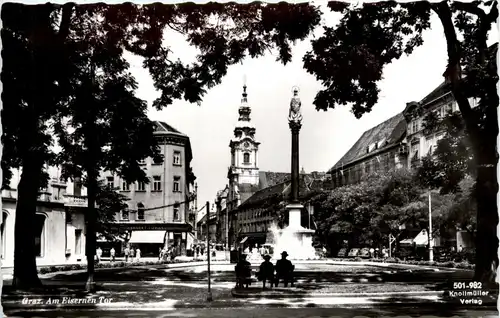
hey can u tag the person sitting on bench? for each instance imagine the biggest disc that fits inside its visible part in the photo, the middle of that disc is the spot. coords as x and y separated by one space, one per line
266 272
284 270
243 272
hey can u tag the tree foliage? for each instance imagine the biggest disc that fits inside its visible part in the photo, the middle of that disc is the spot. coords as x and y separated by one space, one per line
109 201
349 60
48 50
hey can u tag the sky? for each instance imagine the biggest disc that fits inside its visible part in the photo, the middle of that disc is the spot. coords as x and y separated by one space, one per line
324 137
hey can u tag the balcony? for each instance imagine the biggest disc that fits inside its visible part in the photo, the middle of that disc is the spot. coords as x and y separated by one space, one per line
75 201
56 182
10 194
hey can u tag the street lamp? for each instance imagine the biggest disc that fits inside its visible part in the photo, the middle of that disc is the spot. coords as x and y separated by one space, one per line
209 294
431 243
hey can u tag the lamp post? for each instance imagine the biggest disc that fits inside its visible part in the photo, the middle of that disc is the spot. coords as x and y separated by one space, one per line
209 294
431 243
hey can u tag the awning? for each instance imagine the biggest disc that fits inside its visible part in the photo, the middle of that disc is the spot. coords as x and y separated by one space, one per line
147 237
406 242
422 238
244 240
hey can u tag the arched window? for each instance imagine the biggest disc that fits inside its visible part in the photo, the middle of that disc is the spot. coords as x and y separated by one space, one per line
246 157
39 235
3 233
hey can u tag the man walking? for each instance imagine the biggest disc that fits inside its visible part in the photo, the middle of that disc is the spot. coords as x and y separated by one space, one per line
127 253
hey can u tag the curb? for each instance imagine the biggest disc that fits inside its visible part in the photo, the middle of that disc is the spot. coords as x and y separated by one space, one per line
165 266
238 294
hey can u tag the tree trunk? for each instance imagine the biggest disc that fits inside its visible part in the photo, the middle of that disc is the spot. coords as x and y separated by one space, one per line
25 270
486 195
91 218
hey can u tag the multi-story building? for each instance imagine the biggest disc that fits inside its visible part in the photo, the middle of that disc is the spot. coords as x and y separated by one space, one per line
159 213
422 142
379 149
59 222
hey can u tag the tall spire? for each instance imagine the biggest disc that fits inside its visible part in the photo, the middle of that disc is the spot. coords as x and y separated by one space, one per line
244 99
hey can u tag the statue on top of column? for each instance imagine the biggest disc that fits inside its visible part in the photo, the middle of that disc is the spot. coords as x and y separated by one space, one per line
295 115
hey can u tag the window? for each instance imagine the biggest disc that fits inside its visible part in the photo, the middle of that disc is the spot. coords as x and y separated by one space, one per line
140 211
78 242
176 213
110 181
141 186
414 150
39 235
156 183
177 158
158 160
232 159
414 126
246 157
367 167
125 215
3 234
177 184
125 186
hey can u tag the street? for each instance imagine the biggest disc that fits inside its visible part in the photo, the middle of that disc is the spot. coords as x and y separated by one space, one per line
414 311
321 288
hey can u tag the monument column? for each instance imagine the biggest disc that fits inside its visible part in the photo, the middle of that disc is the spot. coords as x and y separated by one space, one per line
295 123
295 128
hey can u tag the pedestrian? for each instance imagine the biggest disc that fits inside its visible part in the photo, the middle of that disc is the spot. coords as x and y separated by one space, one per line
376 253
371 252
127 253
197 250
262 251
138 254
132 253
99 254
460 248
324 251
112 254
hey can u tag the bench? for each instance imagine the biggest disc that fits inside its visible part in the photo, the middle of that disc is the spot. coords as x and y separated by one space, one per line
243 276
286 277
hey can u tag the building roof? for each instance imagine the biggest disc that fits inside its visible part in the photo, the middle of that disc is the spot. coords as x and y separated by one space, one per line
306 184
269 178
384 135
163 127
439 91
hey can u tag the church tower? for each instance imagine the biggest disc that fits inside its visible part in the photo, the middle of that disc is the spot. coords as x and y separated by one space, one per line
244 167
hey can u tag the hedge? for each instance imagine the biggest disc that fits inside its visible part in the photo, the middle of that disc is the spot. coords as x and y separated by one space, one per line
449 264
74 267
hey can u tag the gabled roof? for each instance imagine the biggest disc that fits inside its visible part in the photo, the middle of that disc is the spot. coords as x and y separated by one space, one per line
392 131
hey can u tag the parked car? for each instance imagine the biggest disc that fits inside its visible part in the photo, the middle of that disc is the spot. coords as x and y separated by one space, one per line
364 252
342 252
353 252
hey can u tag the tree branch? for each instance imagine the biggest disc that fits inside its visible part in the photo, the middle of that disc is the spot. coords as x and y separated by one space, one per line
453 73
471 8
67 11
